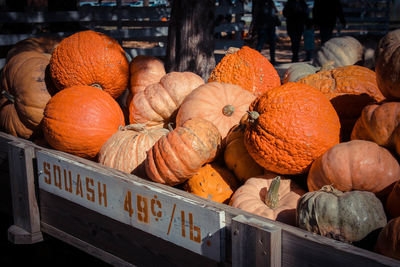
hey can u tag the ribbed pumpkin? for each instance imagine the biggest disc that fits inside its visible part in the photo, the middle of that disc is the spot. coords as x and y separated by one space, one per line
343 50
350 89
158 103
269 196
344 216
355 165
379 123
212 182
387 58
221 103
388 242
80 119
290 126
247 68
90 58
24 93
144 70
296 71
392 202
176 157
44 44
236 157
126 149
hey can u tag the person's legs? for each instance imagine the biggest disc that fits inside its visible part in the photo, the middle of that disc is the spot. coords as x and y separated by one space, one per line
296 38
325 33
272 42
262 37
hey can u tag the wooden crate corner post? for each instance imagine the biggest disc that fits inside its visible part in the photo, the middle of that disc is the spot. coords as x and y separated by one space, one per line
255 242
26 227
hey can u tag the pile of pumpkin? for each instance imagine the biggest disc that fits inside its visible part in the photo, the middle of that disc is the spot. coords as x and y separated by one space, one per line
318 151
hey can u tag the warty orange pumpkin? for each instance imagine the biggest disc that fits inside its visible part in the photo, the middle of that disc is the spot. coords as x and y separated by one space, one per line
221 103
247 68
290 126
80 119
176 157
90 58
212 182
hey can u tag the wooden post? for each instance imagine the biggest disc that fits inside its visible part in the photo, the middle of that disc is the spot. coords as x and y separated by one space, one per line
255 242
26 228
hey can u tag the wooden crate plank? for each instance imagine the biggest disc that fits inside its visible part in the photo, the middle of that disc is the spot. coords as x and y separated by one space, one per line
255 242
149 208
26 227
121 240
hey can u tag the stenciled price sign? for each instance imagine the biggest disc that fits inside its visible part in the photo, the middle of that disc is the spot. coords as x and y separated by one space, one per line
180 220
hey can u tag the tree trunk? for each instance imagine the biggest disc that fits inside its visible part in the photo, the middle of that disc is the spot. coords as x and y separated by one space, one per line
191 37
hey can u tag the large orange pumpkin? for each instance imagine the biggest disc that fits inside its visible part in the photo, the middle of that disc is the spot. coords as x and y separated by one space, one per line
212 182
290 126
355 165
221 103
25 94
44 44
176 157
269 196
80 119
247 68
350 89
158 103
90 58
126 149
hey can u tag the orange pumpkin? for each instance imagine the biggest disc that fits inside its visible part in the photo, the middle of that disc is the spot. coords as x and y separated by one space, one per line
126 149
269 196
247 68
392 202
44 44
355 165
212 182
176 157
90 58
350 89
388 242
144 70
289 127
236 157
221 103
158 103
80 119
25 94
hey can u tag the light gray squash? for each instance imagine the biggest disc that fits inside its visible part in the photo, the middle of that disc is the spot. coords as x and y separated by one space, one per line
345 216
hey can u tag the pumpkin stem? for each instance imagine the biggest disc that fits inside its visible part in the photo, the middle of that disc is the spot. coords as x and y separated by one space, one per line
272 197
138 127
228 110
7 95
170 128
330 189
96 85
231 50
253 116
328 65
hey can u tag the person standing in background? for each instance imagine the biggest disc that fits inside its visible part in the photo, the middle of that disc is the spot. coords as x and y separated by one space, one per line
296 13
325 14
309 39
265 24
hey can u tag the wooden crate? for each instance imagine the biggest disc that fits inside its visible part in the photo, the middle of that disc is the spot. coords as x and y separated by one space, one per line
125 220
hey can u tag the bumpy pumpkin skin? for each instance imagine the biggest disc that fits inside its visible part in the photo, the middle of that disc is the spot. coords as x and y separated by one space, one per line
250 197
220 103
350 89
176 157
90 58
343 50
236 157
247 68
24 78
378 123
126 149
212 182
387 58
348 216
144 70
80 119
355 165
296 124
158 103
392 202
388 242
